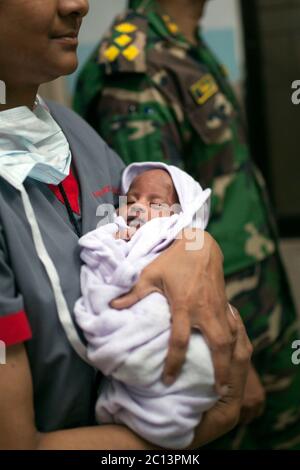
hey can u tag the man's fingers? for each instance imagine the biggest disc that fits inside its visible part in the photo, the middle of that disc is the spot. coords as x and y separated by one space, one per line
240 361
221 362
221 342
138 292
232 320
179 341
244 349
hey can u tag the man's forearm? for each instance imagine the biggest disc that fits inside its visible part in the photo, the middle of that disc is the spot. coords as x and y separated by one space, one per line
105 437
17 417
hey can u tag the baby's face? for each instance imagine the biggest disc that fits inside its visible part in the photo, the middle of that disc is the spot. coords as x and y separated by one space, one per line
151 195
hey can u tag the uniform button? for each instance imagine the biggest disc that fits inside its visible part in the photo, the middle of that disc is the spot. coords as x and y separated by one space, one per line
132 108
149 110
116 126
164 81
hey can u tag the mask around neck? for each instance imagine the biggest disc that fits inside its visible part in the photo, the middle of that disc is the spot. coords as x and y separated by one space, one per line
33 145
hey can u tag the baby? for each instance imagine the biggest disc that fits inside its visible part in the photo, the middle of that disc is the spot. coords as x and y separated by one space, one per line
151 194
130 346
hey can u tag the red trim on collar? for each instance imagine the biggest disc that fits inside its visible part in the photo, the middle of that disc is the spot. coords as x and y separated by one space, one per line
15 328
71 187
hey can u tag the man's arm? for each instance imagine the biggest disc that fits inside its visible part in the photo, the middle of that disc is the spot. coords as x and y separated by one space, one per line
136 120
17 423
18 431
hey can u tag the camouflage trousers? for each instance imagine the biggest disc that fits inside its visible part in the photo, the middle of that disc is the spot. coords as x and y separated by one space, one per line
262 296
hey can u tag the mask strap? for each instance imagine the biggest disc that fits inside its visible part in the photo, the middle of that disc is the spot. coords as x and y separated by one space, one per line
61 304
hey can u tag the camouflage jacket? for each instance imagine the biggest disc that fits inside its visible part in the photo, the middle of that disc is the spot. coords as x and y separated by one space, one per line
153 96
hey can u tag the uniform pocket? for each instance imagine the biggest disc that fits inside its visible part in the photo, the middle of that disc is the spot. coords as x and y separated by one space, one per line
212 119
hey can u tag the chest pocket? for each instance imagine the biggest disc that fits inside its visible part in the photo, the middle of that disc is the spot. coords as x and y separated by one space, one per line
183 80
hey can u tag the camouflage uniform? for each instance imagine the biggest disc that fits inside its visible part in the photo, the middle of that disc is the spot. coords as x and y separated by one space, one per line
153 96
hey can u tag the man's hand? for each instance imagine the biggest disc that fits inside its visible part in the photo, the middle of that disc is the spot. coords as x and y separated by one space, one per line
254 399
125 234
193 283
224 416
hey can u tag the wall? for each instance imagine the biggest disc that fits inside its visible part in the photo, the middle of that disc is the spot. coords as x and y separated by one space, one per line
279 22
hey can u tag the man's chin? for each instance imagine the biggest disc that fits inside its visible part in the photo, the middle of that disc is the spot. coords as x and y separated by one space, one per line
70 66
66 66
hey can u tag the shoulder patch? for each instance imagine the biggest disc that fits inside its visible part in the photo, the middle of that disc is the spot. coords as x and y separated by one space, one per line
126 28
123 48
172 27
204 89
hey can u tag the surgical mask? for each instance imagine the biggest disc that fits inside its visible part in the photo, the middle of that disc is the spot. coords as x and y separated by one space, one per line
33 145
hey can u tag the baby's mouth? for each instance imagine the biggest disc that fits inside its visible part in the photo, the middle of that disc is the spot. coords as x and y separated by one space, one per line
135 222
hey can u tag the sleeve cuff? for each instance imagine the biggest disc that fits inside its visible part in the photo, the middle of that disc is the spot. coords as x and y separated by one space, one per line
15 328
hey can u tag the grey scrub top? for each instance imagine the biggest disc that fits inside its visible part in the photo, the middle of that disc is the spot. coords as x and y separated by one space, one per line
63 384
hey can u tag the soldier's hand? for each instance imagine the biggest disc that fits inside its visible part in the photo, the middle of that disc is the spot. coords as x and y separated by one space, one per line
254 399
193 282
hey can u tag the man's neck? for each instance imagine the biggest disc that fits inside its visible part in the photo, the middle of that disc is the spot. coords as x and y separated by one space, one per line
186 14
19 96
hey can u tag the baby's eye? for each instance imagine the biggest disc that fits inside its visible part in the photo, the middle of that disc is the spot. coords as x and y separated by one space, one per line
130 201
159 205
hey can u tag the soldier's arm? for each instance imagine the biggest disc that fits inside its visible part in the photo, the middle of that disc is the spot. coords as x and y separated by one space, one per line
131 115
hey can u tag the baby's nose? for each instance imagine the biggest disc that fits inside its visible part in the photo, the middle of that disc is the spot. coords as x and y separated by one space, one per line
138 207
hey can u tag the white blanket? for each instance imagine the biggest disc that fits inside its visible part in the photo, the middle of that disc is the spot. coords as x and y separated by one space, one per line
130 346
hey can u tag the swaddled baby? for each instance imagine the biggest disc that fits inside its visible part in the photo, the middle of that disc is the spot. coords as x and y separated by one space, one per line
152 194
130 346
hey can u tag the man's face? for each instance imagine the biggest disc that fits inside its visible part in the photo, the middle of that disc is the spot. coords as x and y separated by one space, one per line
151 195
38 40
